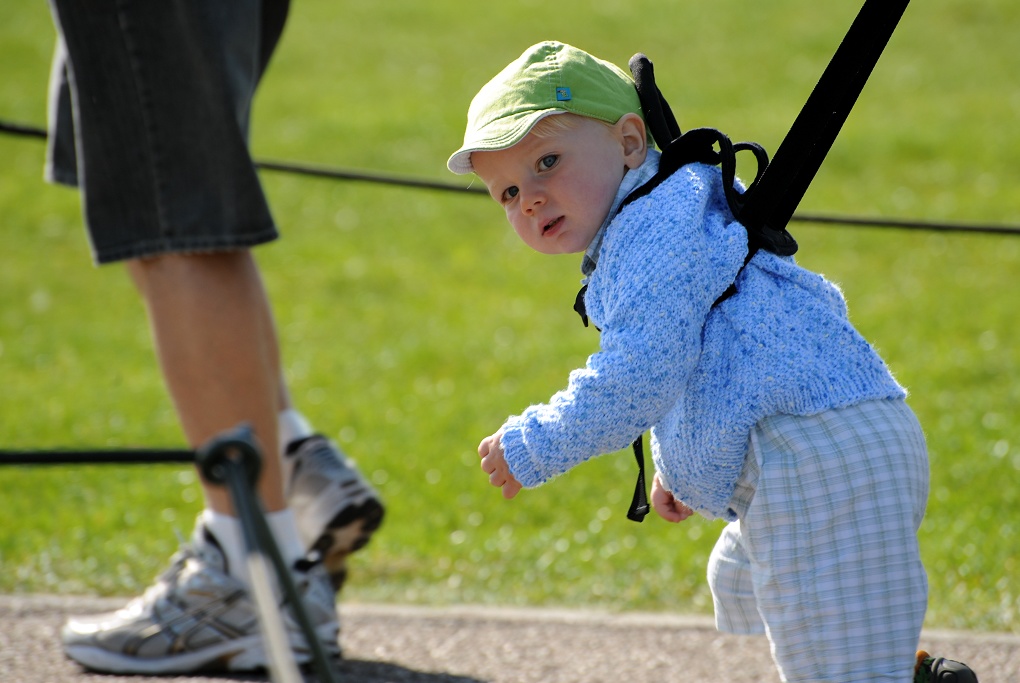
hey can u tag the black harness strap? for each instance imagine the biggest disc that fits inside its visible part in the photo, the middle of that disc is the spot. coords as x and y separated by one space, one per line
767 205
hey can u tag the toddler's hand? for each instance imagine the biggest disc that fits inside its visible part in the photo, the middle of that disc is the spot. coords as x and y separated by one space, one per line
668 507
493 463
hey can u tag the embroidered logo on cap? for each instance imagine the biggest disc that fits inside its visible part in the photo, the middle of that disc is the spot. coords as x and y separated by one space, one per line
563 94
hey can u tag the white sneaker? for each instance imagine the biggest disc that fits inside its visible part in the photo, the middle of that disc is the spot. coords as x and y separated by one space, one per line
197 618
337 510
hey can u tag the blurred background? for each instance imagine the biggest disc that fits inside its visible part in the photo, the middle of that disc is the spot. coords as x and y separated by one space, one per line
413 322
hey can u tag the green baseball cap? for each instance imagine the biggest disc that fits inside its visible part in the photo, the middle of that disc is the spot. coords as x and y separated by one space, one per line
549 78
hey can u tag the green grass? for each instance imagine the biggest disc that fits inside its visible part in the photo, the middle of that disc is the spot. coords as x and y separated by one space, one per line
413 322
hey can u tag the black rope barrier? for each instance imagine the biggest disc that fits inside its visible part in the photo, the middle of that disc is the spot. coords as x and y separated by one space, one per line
109 456
24 130
339 174
907 224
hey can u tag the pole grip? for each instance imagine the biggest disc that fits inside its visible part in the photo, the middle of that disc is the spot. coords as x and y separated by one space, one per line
213 457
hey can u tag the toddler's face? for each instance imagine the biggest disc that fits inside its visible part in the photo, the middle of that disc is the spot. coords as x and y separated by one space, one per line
557 188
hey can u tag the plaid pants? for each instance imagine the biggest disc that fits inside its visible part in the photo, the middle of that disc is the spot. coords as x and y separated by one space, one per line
824 556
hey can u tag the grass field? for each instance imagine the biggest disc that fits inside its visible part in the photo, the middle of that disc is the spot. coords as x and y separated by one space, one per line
413 323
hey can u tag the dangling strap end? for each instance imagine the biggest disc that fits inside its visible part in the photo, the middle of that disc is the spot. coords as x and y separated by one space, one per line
639 504
638 513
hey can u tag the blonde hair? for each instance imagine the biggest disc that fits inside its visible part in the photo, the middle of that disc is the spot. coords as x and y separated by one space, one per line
554 124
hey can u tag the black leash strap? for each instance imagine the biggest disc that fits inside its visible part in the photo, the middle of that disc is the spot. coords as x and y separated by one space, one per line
771 203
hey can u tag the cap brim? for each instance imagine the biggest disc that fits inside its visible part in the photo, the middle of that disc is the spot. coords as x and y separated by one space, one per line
495 136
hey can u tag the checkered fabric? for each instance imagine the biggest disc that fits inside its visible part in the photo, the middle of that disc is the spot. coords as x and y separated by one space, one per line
824 555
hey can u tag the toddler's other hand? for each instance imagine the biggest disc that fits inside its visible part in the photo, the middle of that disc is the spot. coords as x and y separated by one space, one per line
494 464
668 507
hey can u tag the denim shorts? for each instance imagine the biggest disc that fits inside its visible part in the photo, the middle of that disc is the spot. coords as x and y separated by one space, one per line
149 111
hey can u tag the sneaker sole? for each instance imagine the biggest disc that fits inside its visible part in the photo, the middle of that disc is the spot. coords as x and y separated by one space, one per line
350 530
243 654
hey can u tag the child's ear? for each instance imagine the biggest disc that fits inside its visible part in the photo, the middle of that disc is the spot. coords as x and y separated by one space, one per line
633 136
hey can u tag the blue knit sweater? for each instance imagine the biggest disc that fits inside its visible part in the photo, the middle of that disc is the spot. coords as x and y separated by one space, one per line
699 377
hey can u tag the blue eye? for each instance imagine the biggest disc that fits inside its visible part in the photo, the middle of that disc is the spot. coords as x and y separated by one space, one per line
510 193
548 161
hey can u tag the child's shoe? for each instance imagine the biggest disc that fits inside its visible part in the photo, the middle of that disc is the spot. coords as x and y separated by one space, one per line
940 670
198 618
337 511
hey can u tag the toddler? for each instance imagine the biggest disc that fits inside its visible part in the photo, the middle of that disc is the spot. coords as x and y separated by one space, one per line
766 407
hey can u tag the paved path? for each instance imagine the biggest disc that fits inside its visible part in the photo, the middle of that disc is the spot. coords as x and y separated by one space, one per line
394 644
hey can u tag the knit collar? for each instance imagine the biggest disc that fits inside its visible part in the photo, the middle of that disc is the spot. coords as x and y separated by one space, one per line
632 179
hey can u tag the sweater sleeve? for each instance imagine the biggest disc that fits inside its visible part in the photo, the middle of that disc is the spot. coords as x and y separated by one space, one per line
664 261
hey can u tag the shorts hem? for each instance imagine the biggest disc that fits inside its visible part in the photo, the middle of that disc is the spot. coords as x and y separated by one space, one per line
190 247
739 630
58 176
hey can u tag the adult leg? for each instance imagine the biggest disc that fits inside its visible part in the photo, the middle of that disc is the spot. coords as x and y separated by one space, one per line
160 95
218 350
